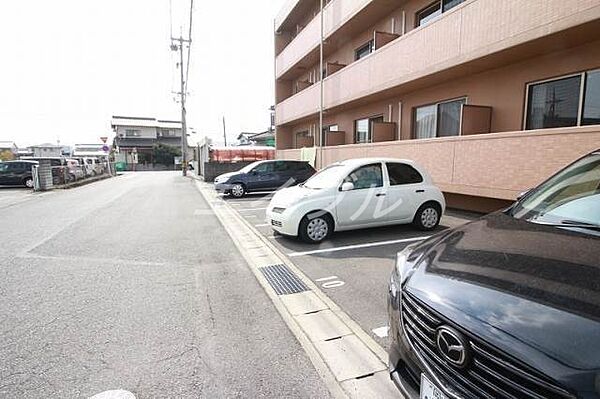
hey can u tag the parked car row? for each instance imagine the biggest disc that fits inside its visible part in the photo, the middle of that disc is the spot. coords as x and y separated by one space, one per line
353 194
506 306
64 170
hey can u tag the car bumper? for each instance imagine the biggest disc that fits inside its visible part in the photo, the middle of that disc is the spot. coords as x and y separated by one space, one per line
223 187
282 223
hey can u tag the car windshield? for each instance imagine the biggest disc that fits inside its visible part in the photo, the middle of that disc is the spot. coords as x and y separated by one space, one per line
3 167
328 177
572 197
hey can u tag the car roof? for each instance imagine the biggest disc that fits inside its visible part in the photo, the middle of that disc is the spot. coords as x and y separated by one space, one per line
365 161
19 160
283 160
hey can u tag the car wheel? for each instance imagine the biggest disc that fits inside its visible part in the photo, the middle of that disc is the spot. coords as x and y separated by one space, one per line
428 216
28 182
238 190
315 227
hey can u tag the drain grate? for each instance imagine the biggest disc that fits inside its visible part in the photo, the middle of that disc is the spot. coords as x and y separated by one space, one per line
283 281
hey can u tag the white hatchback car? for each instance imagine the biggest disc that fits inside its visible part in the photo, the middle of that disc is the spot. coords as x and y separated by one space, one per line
354 194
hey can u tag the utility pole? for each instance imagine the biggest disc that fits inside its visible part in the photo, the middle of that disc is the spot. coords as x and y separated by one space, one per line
224 132
177 44
179 47
320 135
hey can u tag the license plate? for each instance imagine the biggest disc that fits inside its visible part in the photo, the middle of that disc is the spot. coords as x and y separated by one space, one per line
430 391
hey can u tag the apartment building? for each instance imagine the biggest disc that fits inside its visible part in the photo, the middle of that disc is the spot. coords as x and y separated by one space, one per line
490 96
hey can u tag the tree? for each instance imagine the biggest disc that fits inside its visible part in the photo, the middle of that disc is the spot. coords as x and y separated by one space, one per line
165 154
7 155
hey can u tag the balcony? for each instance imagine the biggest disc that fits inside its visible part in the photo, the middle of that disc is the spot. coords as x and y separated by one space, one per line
302 51
287 11
463 37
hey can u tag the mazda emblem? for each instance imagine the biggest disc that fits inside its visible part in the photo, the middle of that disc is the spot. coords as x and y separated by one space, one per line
453 346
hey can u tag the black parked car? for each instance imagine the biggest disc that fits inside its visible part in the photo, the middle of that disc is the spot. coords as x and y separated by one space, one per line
263 176
507 306
16 173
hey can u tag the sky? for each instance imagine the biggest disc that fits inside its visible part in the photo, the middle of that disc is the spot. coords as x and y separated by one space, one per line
69 65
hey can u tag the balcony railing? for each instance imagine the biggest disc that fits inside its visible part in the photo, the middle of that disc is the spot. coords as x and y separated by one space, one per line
475 29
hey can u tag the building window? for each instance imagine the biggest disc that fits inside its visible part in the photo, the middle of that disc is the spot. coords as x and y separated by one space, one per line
564 102
364 50
167 133
132 133
434 10
438 120
363 129
591 101
300 136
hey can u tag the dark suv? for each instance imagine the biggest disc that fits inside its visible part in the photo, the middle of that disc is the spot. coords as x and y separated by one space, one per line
507 306
263 176
16 173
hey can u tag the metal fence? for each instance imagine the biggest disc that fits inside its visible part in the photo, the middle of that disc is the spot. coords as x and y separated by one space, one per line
67 174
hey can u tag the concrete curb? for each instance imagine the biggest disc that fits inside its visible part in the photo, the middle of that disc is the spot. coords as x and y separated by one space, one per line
348 360
82 182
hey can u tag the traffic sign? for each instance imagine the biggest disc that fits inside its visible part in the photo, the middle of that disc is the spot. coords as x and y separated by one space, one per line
104 138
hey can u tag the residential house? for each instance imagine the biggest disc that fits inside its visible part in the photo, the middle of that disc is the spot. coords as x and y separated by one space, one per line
266 138
135 137
8 150
46 150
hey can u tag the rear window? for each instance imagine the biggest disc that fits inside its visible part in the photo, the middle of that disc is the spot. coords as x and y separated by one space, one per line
401 173
306 166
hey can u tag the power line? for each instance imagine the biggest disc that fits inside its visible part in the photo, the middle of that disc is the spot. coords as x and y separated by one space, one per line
171 17
187 69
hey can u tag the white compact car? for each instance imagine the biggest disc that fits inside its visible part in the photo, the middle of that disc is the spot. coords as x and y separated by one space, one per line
354 194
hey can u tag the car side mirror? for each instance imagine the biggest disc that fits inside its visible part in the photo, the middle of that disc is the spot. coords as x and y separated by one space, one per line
347 186
522 194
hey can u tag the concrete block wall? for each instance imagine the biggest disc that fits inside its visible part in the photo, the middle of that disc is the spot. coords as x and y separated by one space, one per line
496 165
214 169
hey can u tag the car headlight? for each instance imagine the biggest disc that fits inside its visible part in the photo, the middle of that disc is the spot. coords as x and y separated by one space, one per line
278 210
402 270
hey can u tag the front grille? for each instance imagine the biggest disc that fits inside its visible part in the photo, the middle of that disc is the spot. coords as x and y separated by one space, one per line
491 373
276 223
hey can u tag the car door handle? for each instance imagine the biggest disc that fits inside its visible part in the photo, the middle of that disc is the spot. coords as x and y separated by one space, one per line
380 195
419 191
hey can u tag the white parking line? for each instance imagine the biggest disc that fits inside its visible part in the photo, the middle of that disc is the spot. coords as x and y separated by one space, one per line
347 247
262 225
250 209
381 332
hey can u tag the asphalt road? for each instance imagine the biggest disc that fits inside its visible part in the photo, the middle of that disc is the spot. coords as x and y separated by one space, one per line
352 267
131 283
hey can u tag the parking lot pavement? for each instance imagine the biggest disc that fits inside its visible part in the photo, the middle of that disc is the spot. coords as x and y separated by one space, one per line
351 267
10 195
